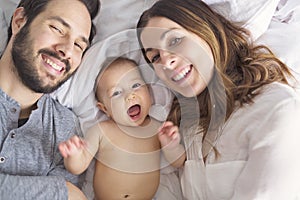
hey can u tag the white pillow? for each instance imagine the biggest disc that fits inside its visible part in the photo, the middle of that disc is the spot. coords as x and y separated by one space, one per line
3 31
282 36
6 10
116 16
254 15
7 7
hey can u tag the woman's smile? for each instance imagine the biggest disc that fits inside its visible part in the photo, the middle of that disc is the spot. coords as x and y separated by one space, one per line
182 74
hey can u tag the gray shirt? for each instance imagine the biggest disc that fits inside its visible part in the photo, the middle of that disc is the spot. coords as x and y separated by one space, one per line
31 166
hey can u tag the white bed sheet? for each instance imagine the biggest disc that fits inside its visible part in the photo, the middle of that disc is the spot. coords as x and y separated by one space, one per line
275 23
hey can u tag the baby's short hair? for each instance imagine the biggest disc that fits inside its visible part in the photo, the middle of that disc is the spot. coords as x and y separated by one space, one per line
108 62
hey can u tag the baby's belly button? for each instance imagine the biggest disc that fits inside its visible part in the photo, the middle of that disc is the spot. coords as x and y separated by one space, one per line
126 196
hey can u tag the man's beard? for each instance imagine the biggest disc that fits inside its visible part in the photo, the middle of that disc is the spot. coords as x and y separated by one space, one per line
23 57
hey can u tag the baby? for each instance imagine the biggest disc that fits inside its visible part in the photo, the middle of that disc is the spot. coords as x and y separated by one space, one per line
127 146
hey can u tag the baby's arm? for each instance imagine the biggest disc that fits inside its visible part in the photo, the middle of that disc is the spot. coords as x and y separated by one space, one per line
78 152
169 138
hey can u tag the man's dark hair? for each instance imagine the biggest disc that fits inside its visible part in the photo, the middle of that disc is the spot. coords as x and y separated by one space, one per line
33 8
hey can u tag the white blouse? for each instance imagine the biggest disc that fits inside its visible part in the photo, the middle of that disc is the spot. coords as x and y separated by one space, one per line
259 151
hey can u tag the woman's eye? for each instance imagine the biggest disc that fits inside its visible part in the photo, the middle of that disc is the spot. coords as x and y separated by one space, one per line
175 41
154 58
136 85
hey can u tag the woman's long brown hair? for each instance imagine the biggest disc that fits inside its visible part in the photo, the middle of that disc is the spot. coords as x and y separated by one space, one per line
240 67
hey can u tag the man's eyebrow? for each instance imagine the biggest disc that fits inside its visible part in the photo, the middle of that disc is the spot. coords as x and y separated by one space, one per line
59 19
65 24
85 41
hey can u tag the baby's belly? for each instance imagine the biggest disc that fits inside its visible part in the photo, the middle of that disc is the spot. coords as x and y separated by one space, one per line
124 160
113 184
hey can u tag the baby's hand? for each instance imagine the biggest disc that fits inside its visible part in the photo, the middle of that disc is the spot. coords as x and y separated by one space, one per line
168 135
71 147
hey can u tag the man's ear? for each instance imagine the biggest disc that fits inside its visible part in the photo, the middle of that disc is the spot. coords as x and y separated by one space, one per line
18 20
102 107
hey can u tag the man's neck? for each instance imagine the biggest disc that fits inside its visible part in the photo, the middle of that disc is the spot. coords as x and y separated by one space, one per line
13 86
25 112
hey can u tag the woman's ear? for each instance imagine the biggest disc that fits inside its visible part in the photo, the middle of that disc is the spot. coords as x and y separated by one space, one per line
18 20
102 107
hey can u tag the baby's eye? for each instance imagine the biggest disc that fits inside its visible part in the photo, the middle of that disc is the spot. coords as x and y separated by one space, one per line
136 85
175 41
116 93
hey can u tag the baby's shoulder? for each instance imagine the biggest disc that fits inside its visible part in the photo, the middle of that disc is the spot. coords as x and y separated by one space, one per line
105 125
100 127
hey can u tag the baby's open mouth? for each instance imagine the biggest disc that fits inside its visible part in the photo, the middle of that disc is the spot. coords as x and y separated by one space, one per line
134 111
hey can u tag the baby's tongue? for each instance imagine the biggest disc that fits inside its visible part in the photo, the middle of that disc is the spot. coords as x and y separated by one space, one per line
134 110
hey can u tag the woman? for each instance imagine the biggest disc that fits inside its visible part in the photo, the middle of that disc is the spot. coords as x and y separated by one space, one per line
242 135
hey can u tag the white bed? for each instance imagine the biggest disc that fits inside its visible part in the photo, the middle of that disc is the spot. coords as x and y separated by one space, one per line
275 23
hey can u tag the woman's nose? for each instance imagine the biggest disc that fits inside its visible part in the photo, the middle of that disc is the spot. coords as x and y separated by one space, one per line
168 59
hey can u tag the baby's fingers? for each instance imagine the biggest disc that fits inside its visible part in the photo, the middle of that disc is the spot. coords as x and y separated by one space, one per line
63 149
77 141
166 125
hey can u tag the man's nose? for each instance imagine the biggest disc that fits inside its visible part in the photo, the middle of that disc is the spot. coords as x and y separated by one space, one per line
65 48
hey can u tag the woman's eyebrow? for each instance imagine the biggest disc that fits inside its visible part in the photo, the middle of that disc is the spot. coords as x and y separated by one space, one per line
148 50
162 37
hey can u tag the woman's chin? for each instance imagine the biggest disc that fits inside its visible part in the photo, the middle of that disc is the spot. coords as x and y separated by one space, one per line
188 93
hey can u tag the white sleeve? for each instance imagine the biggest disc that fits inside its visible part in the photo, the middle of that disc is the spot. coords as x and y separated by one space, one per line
273 167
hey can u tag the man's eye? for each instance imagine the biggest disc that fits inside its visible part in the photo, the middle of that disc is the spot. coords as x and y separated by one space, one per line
56 29
79 46
136 85
175 41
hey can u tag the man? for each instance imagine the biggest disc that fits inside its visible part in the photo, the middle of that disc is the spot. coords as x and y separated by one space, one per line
47 39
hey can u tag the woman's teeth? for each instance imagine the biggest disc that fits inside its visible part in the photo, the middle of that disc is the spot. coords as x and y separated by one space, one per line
53 65
182 74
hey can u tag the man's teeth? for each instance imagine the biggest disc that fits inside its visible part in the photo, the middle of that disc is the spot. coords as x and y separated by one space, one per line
53 65
182 74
